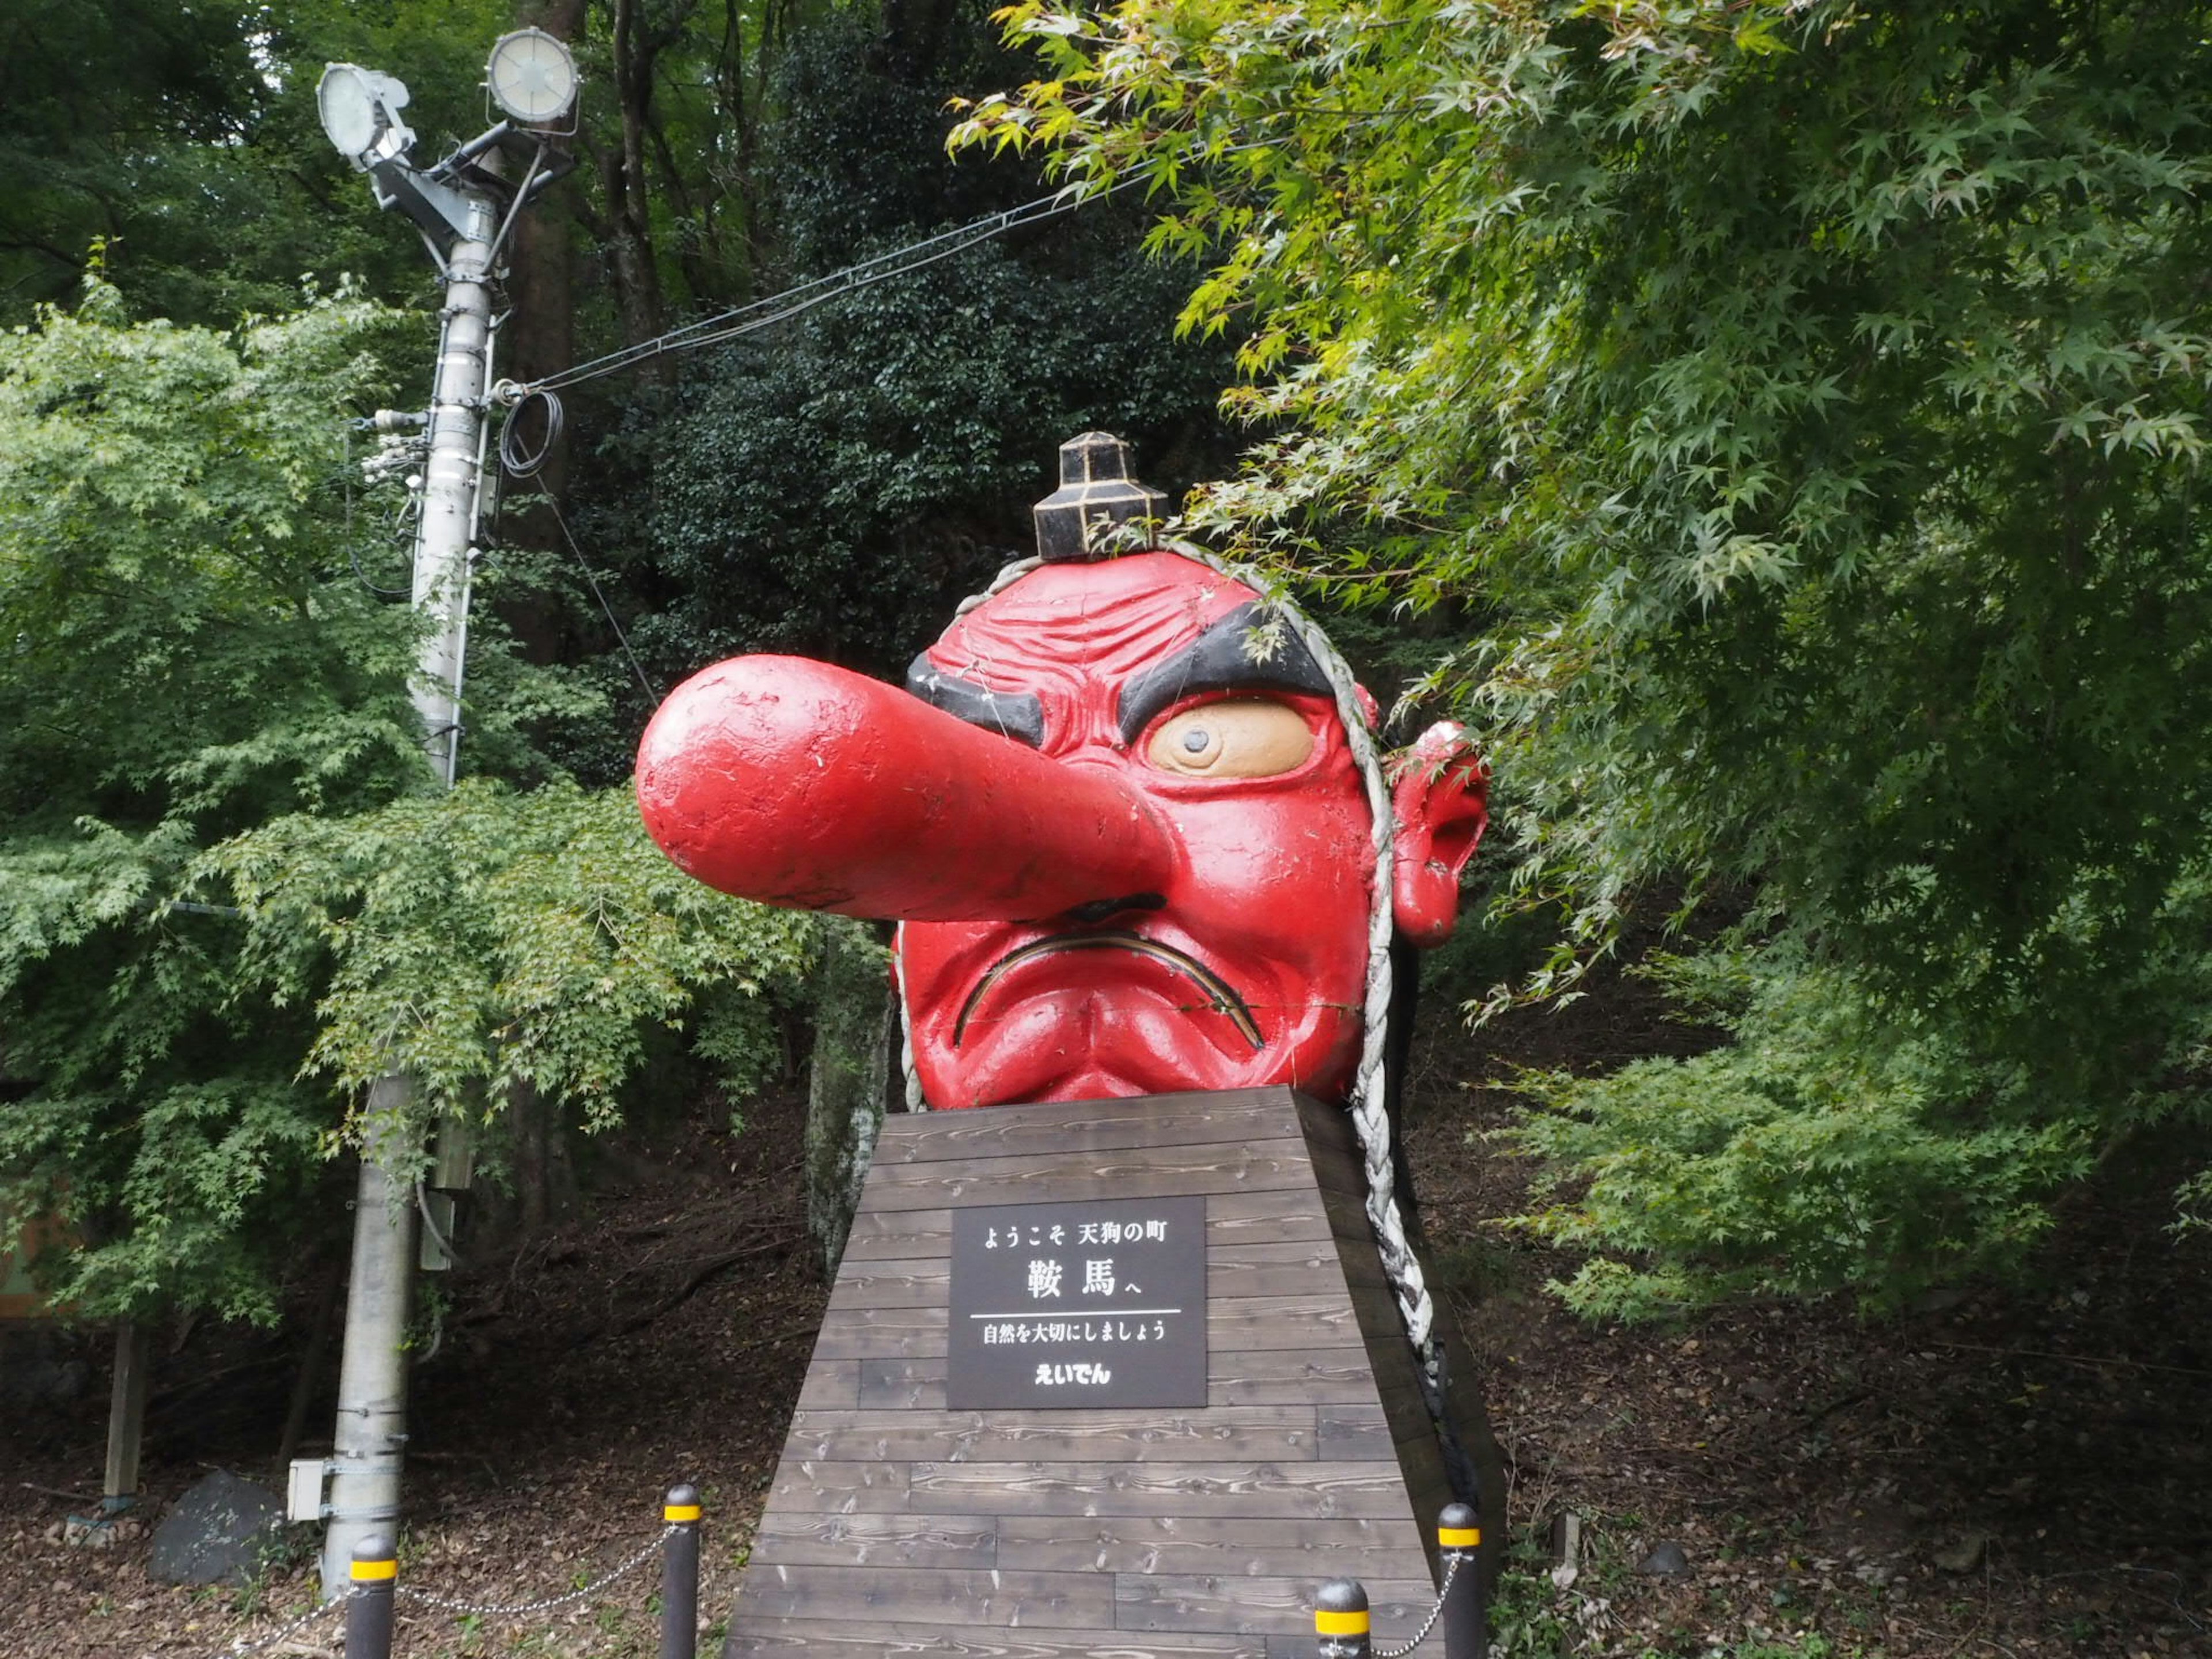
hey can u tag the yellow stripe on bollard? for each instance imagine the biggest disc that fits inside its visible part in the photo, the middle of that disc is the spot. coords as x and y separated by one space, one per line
679 1512
1460 1538
1339 1624
375 1570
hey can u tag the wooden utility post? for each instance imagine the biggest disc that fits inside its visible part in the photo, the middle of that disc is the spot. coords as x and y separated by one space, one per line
127 1412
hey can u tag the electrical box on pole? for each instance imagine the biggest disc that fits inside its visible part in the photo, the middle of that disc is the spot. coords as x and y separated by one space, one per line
465 214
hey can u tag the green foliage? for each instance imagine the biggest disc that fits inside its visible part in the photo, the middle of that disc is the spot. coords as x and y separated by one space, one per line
483 939
176 150
161 491
99 104
188 654
1824 1148
1810 402
229 896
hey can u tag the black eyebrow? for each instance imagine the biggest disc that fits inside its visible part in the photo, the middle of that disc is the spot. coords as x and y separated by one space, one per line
1016 715
1251 646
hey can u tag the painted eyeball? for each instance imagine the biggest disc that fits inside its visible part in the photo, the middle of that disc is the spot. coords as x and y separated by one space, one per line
1241 737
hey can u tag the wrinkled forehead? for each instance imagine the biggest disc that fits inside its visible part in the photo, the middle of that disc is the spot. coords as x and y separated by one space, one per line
1064 626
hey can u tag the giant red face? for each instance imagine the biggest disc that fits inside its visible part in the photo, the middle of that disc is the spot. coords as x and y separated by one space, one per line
1250 966
1131 841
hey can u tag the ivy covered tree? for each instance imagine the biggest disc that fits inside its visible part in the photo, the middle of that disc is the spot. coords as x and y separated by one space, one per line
1811 400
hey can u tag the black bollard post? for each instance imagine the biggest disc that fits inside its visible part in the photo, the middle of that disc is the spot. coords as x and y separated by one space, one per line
1341 1620
369 1610
679 1575
1459 1540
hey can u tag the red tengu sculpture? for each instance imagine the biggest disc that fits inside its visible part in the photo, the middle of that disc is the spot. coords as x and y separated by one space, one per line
1125 813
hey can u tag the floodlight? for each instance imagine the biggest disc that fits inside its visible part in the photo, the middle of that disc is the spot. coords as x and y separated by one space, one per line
531 76
359 109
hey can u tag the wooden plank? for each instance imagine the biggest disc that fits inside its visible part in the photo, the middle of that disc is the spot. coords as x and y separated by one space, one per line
1352 1432
1281 1269
906 1284
914 1235
854 1639
830 1383
1338 1171
1291 1217
1315 1319
1100 1126
867 1539
1327 1125
881 1333
1231 1218
1346 1546
1379 1317
1256 1605
1404 1405
1247 1490
1428 1497
843 1488
1264 1433
1347 1216
1243 1326
1255 1167
902 1384
930 1595
1283 1376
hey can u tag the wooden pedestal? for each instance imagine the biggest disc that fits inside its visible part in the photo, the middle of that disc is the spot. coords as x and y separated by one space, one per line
897 1525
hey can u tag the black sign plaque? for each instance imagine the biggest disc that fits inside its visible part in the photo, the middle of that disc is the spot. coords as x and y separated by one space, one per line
1063 1306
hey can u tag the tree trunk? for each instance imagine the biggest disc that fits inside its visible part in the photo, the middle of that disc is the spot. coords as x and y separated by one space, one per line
309 1376
855 1025
623 179
545 1178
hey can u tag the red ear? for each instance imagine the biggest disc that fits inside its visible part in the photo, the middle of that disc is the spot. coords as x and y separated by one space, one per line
1441 800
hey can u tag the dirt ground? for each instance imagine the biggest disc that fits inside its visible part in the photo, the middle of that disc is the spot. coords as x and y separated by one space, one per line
2013 1473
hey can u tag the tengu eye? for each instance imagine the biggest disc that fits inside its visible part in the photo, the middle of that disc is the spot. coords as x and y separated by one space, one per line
1242 737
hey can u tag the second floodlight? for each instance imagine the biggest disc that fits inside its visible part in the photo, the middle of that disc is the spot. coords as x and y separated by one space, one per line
531 76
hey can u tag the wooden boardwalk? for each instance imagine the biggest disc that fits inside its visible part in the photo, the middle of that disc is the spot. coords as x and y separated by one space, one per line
897 1524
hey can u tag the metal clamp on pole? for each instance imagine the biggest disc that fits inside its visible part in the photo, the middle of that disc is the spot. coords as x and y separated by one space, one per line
1341 1620
1459 1538
368 1608
679 1574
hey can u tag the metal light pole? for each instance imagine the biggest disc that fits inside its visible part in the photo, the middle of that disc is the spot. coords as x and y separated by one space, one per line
457 207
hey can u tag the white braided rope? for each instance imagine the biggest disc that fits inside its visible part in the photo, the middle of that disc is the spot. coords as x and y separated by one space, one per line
1366 1101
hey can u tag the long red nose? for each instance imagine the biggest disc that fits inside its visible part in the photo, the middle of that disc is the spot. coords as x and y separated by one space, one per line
796 783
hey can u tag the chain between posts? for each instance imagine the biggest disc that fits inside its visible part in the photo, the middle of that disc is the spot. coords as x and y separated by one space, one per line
240 1647
375 1570
1342 1617
544 1604
1428 1625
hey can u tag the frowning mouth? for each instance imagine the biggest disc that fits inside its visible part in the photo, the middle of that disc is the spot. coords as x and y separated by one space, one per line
1218 991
